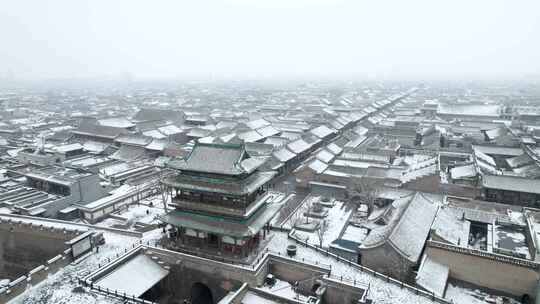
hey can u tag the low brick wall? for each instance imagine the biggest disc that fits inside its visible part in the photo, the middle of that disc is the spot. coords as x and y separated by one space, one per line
34 276
40 272
379 275
22 219
511 275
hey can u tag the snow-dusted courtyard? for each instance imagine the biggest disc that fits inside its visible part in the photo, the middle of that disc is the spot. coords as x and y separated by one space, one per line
62 287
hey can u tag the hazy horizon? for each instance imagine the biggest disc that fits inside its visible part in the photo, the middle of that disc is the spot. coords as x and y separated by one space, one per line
269 39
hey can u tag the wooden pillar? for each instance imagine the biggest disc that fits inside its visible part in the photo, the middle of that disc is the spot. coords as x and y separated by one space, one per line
199 241
245 247
181 235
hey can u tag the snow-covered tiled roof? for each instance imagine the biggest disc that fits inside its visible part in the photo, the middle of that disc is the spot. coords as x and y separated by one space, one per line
170 130
322 131
154 134
141 271
325 156
335 149
250 136
226 124
433 276
267 131
291 135
411 232
94 146
198 132
284 155
409 220
484 157
519 161
213 158
511 183
228 159
450 228
157 145
258 123
157 114
318 166
67 148
355 142
117 122
129 153
98 131
336 124
251 164
463 171
136 140
498 150
276 141
298 146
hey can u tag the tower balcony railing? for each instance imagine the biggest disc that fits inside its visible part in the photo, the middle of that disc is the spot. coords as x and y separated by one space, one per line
216 206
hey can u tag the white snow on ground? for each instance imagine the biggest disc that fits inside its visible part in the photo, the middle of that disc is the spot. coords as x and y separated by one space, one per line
110 222
462 295
58 288
336 219
283 289
354 234
253 298
145 212
516 217
142 213
380 291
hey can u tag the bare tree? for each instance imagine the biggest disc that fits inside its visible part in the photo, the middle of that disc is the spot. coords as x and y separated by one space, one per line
363 191
163 189
322 231
306 208
301 214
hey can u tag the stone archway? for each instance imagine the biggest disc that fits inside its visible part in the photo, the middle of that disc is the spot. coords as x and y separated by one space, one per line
201 294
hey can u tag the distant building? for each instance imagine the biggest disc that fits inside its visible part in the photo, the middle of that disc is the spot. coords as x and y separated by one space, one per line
158 117
49 157
97 133
64 187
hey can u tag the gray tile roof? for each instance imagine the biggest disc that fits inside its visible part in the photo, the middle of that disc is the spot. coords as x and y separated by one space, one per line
227 159
323 131
411 232
511 183
284 155
408 225
298 146
98 131
132 139
157 114
129 153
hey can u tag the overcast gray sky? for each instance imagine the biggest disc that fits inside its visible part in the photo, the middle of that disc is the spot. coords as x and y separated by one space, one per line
270 38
